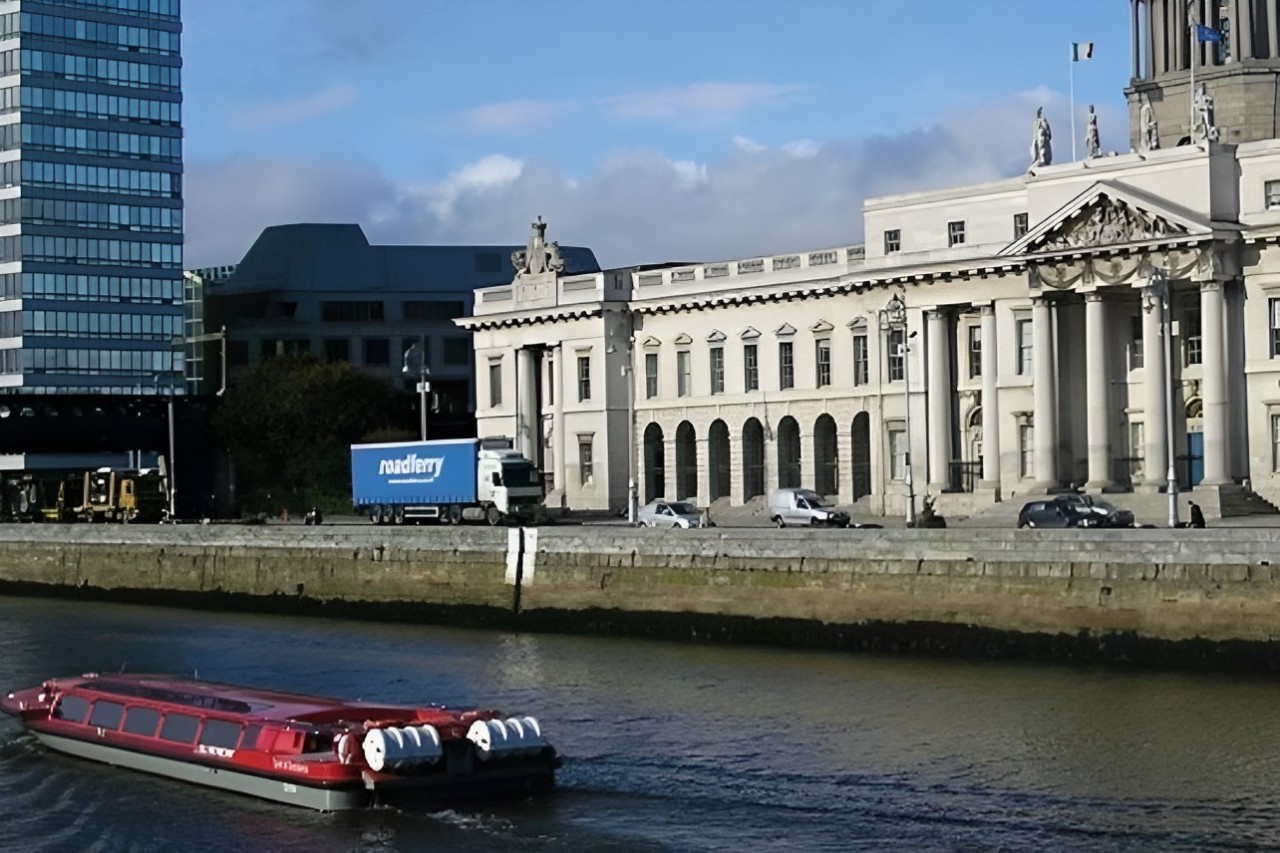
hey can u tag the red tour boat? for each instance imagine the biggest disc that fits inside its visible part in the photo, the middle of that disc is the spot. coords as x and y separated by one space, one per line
307 751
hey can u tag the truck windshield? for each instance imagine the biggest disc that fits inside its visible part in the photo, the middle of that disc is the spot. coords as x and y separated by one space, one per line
520 474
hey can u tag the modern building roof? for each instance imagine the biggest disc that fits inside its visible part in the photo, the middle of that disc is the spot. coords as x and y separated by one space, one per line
338 257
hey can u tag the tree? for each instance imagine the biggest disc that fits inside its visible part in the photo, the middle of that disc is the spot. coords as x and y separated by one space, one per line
288 423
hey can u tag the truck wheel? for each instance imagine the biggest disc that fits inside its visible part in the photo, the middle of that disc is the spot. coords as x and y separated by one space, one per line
493 515
778 522
373 515
455 514
397 516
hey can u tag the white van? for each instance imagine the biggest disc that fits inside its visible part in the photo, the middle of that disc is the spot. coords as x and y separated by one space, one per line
803 507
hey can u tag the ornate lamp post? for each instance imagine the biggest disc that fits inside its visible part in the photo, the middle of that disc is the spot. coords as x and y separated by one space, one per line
893 318
418 353
1155 297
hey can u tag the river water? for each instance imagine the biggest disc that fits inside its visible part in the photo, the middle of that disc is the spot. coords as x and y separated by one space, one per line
673 747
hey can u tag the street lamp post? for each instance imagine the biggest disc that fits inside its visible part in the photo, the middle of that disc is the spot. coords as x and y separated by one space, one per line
893 318
424 372
1158 298
630 371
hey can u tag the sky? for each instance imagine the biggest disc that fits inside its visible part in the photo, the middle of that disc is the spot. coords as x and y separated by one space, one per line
648 130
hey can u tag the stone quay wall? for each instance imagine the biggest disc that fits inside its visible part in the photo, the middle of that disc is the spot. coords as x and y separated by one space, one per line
1147 594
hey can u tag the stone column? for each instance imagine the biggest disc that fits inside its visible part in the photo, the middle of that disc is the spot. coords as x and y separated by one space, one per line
557 385
1098 391
737 495
1151 41
1133 33
1244 24
1160 39
526 402
990 402
939 401
1044 397
808 459
1273 31
1177 35
670 486
1154 463
770 449
1214 388
703 448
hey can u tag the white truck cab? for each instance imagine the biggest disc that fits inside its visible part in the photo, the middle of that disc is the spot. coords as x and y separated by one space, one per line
508 482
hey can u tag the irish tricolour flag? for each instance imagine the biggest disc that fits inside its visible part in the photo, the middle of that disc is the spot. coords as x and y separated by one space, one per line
1081 50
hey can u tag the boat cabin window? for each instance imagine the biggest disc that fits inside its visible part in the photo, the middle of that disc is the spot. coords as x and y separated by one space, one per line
71 708
106 715
250 738
141 721
179 728
220 733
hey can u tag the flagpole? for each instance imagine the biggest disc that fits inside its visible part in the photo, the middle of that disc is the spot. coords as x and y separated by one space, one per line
1071 75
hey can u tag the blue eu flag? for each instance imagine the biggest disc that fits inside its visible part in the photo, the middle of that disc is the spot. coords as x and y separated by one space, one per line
1204 33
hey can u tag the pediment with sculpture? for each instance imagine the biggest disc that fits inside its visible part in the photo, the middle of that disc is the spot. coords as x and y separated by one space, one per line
1107 222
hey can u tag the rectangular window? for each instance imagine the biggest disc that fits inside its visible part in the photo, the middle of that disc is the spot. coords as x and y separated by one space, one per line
650 375
434 309
1273 195
786 365
898 454
106 715
892 241
975 351
750 368
896 355
495 382
1275 442
1026 450
457 350
142 721
717 370
377 351
1192 342
1137 355
220 733
861 360
584 378
823 355
351 311
955 233
1273 315
337 349
1019 225
684 378
585 463
1026 355
179 728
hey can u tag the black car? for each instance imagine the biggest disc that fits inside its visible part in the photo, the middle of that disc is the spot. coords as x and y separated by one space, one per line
1073 511
1048 513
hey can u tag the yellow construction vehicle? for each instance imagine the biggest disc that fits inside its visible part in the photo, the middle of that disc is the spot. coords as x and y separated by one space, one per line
121 496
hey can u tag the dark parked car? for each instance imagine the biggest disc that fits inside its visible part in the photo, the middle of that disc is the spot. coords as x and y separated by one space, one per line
1073 511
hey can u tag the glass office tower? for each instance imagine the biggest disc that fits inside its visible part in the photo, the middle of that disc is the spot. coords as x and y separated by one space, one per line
90 197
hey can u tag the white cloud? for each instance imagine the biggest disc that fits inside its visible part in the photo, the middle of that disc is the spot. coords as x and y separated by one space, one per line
297 111
639 206
509 115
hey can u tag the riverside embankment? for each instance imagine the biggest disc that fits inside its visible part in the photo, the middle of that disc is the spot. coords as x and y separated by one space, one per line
1183 597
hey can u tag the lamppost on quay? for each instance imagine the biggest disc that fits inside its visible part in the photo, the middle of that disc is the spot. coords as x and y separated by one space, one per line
1157 297
418 352
628 370
893 319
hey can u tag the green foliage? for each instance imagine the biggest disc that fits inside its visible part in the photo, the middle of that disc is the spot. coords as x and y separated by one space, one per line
288 423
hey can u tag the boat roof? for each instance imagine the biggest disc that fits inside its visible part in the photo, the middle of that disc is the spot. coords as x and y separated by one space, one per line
218 697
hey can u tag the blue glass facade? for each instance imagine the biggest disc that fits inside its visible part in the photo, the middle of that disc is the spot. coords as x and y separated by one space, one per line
90 197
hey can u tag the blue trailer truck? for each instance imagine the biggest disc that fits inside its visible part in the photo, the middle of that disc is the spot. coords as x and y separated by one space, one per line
444 481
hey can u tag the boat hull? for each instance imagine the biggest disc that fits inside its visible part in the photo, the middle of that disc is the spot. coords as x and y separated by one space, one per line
290 793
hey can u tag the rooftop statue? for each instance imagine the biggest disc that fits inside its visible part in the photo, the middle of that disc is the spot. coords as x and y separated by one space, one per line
538 256
1150 130
1204 129
1041 141
1092 144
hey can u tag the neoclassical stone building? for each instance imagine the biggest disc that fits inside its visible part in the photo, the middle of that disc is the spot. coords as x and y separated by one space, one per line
1086 324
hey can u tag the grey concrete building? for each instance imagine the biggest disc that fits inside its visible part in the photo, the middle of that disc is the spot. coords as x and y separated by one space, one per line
324 289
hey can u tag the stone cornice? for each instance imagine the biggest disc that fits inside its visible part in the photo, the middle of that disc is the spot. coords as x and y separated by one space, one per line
563 314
